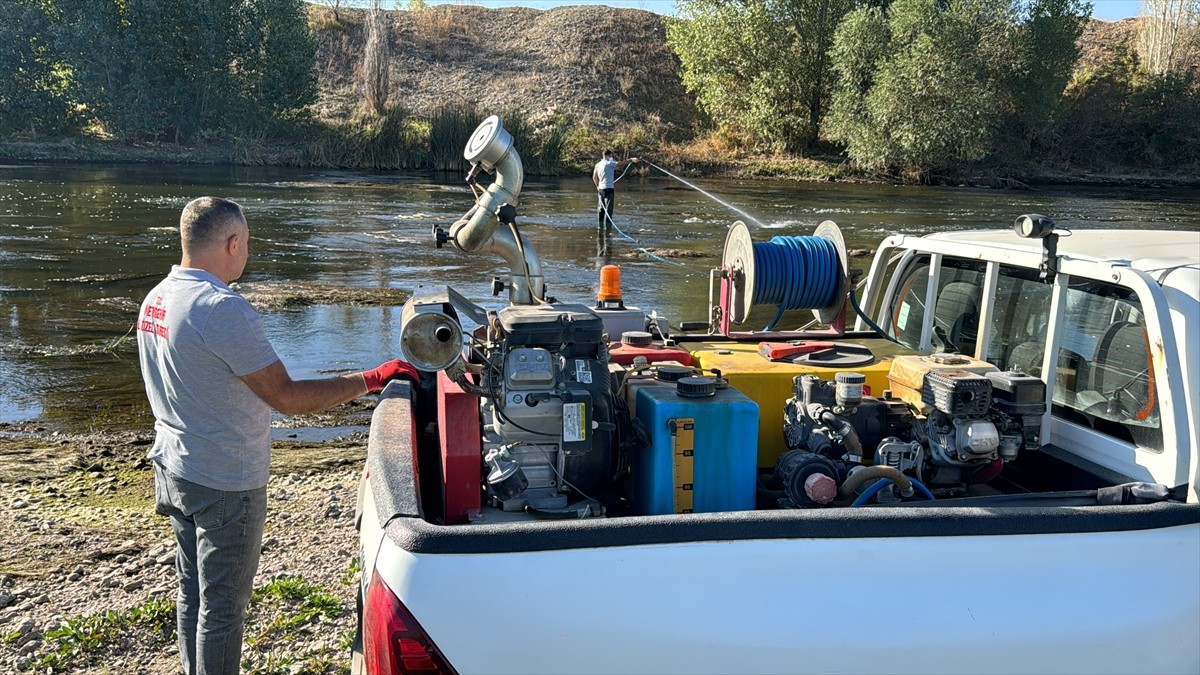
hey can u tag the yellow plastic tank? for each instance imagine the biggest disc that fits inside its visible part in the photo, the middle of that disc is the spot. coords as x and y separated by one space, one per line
769 383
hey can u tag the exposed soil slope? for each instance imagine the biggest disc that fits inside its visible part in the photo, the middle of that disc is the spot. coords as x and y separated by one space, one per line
598 65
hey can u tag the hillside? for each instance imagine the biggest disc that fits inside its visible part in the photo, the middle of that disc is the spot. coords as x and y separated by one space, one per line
604 67
601 66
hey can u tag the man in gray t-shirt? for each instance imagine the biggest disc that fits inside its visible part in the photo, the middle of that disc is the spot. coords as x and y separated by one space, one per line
212 378
604 177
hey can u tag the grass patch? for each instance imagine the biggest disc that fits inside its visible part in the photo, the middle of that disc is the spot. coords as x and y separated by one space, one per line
80 639
117 489
350 576
288 603
301 456
286 663
28 459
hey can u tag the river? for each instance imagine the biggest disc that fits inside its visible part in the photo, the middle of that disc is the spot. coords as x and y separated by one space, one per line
81 245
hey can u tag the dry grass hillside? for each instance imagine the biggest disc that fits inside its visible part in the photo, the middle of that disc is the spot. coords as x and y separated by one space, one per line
601 66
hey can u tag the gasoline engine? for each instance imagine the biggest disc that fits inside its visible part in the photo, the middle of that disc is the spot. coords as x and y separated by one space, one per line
548 413
949 420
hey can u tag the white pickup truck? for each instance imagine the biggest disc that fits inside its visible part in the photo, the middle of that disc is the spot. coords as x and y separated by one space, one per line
995 470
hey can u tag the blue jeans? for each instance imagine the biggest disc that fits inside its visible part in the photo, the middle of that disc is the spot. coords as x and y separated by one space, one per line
219 536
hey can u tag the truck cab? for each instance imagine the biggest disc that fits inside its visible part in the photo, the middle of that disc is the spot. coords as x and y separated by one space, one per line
1113 337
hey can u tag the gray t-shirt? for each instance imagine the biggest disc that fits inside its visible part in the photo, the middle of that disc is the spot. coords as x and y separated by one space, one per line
604 171
196 338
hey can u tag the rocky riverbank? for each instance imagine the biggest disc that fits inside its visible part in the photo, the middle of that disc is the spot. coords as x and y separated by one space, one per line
87 579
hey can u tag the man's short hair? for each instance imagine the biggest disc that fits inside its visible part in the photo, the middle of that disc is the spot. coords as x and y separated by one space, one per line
608 153
207 220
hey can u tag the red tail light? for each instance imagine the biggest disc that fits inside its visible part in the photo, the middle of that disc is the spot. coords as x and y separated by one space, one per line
393 642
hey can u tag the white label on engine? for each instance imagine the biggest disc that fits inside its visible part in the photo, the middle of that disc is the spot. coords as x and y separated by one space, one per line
902 318
582 373
574 422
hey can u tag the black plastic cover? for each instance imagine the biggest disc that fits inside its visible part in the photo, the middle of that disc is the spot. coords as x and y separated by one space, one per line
958 393
1017 393
568 329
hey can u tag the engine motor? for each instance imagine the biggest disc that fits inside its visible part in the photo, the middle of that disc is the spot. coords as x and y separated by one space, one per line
550 409
948 423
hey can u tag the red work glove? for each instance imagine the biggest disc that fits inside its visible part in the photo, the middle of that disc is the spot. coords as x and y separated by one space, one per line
377 378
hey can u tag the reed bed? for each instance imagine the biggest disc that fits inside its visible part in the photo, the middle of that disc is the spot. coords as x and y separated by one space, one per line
395 141
543 149
400 140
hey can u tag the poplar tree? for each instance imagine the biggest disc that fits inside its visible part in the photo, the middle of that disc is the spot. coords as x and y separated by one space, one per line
377 62
1168 35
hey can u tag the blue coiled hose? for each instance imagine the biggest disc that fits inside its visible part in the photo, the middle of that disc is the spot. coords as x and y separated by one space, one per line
795 273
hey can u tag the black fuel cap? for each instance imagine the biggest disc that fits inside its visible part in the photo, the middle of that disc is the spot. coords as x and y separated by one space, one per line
672 373
636 338
696 387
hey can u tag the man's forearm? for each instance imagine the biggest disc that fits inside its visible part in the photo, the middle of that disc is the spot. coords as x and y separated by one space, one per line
296 397
308 396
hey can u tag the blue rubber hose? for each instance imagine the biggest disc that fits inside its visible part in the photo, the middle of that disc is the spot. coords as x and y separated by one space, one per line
795 273
884 482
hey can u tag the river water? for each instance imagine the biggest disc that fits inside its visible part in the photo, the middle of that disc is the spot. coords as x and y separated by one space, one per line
80 246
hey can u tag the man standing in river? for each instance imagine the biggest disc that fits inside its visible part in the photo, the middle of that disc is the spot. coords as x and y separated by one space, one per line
212 378
604 178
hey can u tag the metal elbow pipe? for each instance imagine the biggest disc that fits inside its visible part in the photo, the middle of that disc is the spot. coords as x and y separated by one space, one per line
525 268
490 146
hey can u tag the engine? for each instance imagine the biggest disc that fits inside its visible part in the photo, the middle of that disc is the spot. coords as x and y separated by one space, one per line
949 420
548 419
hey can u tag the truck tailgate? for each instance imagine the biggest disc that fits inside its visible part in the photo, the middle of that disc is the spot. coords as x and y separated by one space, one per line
1096 602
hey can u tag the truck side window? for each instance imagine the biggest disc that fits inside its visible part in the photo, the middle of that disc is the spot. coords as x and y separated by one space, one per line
1019 321
956 311
1105 378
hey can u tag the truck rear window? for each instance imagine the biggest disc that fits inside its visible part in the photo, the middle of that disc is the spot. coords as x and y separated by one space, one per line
1104 380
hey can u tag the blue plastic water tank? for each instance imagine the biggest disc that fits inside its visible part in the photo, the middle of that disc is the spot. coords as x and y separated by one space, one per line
724 440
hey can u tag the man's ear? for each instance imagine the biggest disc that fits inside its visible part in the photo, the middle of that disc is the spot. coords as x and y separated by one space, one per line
231 244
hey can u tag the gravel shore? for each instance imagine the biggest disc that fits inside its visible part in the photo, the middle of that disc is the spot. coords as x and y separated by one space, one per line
87 582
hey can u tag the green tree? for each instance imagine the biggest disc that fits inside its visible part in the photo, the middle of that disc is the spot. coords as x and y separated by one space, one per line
276 76
928 84
182 69
33 89
1043 57
1118 115
759 65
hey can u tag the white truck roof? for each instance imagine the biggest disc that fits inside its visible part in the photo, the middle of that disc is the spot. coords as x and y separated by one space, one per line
1146 250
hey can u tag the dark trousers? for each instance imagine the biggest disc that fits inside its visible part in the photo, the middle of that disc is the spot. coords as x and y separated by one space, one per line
604 206
604 210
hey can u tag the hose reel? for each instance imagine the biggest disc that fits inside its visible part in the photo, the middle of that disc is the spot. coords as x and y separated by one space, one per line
807 272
